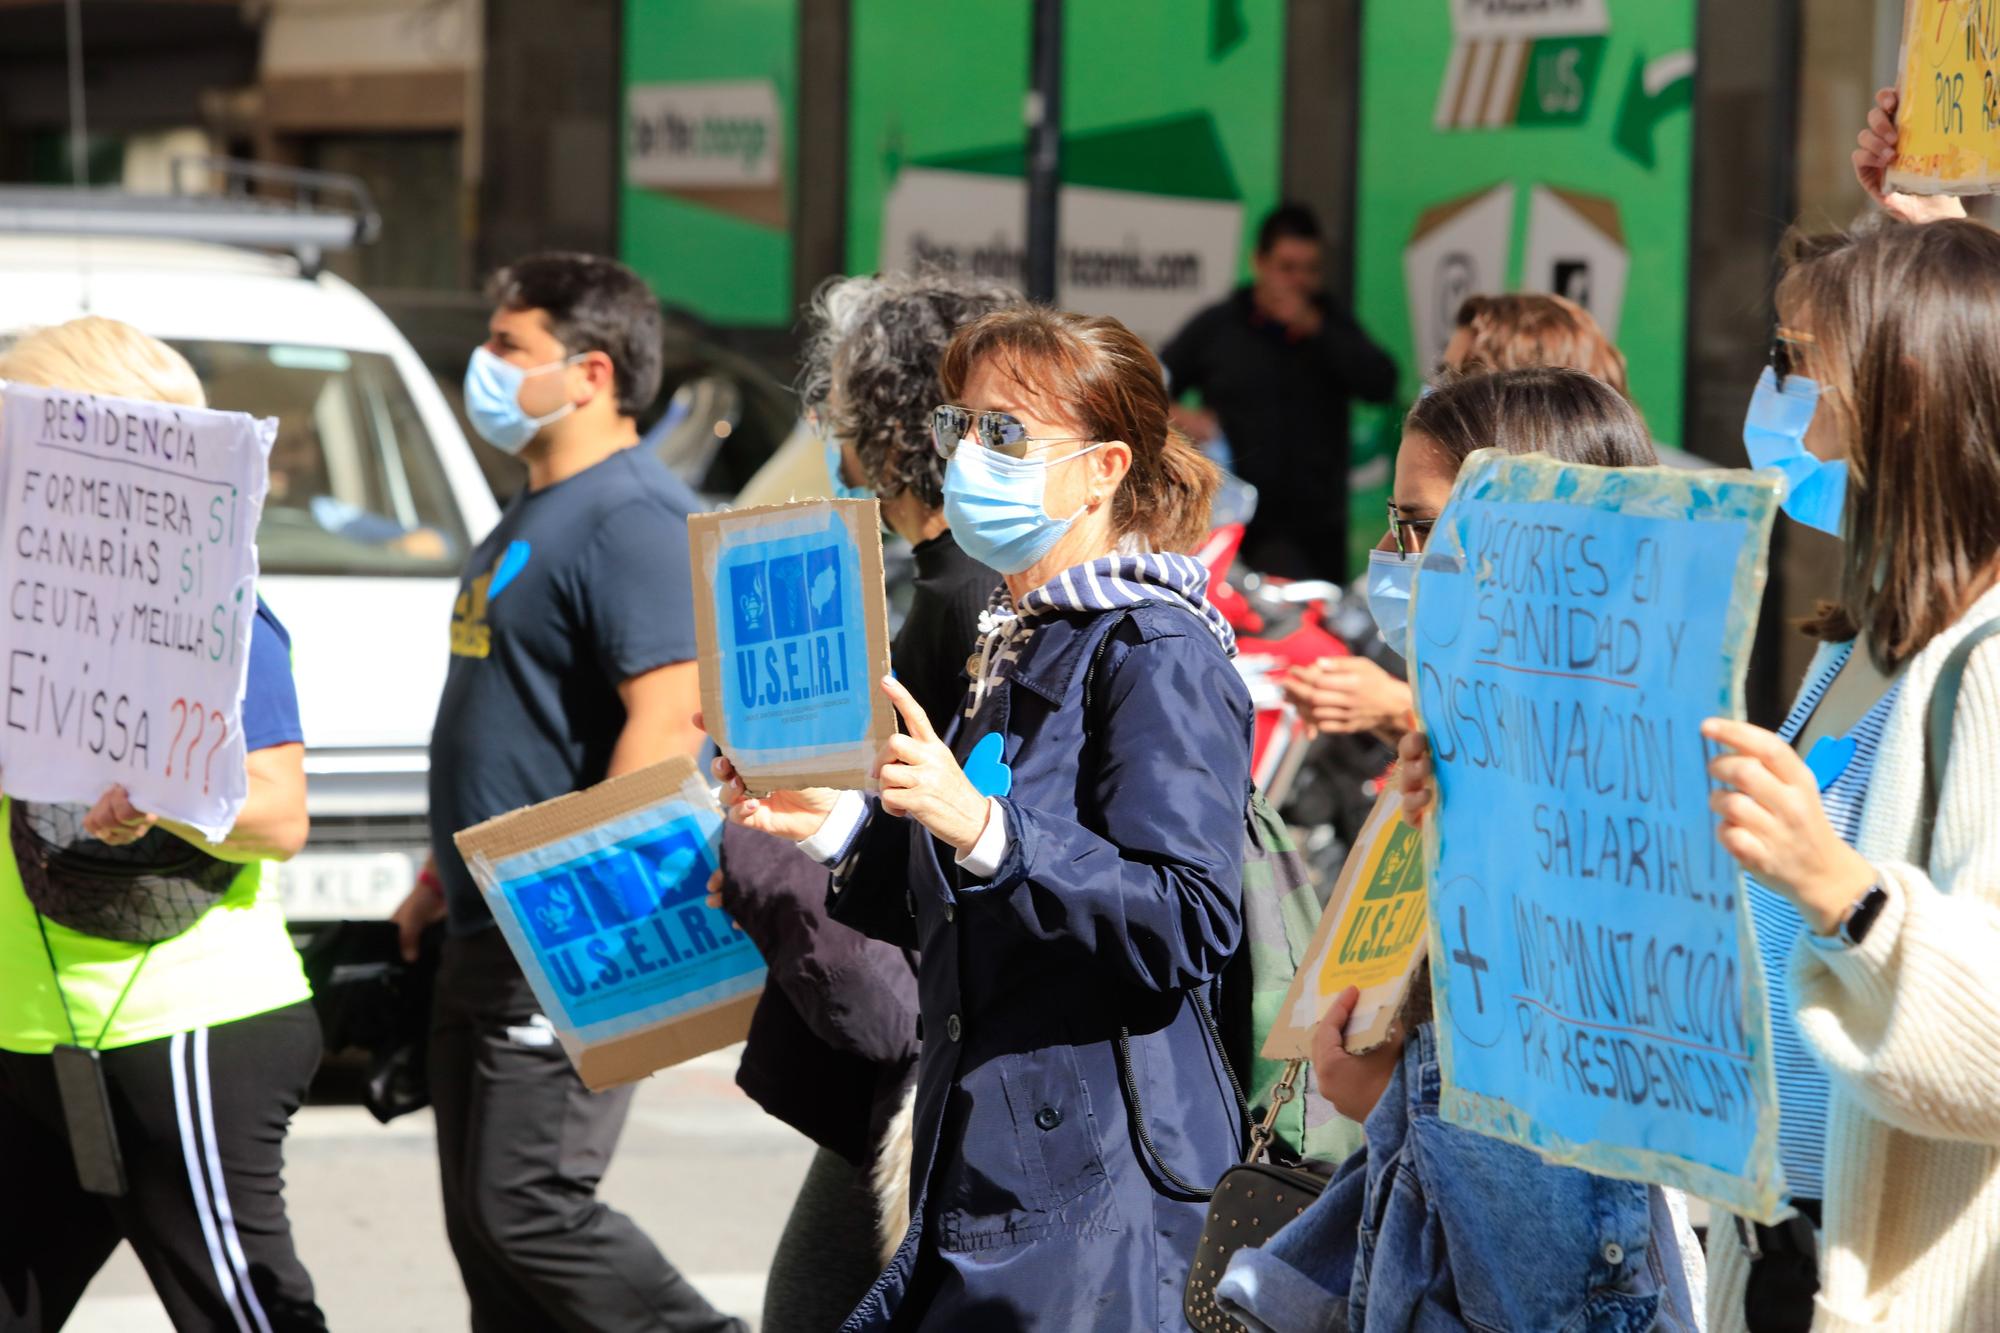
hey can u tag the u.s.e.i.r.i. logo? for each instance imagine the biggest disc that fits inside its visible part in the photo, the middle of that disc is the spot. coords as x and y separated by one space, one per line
791 642
636 911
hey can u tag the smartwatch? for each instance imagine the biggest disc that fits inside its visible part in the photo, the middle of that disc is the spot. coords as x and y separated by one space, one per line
1860 918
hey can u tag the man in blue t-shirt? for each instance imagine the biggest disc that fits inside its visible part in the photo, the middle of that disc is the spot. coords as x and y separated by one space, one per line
572 660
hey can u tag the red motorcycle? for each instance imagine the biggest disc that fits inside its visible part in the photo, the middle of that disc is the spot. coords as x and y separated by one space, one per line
1280 624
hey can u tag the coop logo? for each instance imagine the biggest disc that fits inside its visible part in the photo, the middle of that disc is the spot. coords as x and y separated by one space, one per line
791 638
625 916
692 136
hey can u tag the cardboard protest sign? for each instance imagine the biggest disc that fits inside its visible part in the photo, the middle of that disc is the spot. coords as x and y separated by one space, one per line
1948 122
1371 936
130 573
793 628
1592 960
601 894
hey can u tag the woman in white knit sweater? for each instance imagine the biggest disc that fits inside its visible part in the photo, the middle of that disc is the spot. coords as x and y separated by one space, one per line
1894 978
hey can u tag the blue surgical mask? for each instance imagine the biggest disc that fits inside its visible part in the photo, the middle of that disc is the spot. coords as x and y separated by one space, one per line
1390 576
493 400
1774 432
841 490
993 505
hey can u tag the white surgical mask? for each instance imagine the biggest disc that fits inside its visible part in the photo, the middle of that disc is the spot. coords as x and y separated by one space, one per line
995 506
493 400
1390 577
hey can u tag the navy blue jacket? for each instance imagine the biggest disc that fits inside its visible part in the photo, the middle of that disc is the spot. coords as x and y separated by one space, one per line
1120 892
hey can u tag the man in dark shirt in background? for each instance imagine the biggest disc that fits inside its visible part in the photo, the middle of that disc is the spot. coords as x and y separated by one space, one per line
572 660
1276 365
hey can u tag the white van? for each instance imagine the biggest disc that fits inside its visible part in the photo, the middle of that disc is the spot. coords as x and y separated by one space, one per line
375 502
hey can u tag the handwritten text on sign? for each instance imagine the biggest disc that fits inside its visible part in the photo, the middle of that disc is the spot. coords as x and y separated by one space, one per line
130 580
1599 998
1948 124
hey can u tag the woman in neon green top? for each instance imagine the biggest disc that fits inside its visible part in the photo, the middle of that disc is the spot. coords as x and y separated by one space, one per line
206 1041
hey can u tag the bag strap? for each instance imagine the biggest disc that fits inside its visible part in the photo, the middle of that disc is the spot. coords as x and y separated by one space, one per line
55 979
1282 1092
1122 1044
1937 739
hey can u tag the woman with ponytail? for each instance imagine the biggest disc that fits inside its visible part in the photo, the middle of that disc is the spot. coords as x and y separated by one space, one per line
1064 851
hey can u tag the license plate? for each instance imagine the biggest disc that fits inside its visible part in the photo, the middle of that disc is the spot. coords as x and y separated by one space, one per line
338 886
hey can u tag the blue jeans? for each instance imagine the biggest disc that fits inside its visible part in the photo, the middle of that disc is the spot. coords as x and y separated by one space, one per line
1433 1227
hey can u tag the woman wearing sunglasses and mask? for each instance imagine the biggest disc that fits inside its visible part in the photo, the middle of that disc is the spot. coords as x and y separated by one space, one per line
1064 852
1876 894
1873 843
1464 1230
832 1046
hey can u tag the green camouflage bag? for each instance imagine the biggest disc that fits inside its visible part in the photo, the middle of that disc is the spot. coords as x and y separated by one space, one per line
1280 912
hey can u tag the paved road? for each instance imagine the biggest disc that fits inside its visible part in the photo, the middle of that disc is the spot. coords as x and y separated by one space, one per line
704 1171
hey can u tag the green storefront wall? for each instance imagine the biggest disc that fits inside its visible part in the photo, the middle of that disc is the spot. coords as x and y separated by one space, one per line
937 84
1500 154
723 250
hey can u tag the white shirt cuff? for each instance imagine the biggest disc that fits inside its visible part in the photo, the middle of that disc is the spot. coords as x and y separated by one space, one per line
836 835
983 861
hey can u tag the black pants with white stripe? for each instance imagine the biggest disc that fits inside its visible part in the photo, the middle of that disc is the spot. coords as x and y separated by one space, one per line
201 1122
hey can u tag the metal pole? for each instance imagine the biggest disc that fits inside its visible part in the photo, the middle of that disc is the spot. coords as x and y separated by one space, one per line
79 137
1044 148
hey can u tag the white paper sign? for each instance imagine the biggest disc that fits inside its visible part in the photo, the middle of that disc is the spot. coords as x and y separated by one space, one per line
1151 260
682 136
130 578
1576 248
1459 249
1528 18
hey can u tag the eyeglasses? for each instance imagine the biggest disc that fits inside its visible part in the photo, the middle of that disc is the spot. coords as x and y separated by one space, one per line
998 431
1410 533
1785 361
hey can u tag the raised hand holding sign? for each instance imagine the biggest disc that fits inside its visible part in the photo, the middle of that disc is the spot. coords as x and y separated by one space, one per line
921 778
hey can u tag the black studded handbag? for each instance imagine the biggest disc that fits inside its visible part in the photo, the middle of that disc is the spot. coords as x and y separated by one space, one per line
1250 1203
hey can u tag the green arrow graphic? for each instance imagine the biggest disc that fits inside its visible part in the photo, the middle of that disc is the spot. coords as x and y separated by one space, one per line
1655 91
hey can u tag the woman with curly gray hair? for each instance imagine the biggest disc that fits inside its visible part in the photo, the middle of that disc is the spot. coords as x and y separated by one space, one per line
833 1041
869 383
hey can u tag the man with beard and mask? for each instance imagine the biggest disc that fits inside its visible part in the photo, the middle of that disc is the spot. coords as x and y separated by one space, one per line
572 661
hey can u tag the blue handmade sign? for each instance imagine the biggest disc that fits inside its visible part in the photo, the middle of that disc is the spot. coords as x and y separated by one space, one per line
793 629
603 902
1598 993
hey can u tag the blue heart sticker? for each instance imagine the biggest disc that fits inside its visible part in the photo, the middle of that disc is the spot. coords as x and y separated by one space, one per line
511 563
1829 758
984 768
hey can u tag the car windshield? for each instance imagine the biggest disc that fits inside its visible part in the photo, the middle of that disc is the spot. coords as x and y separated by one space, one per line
356 485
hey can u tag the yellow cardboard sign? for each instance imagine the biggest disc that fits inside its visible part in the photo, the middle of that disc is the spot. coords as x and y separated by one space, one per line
1948 124
1372 936
1383 919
